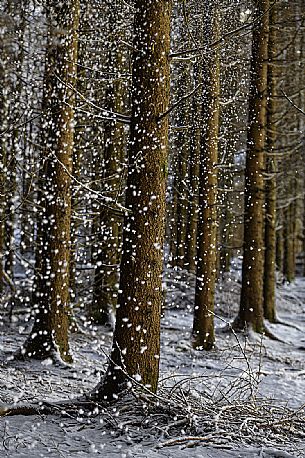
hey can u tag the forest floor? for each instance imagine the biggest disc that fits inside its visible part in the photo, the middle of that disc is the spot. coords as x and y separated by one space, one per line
243 399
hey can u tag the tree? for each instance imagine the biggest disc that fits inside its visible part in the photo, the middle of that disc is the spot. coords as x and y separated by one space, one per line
194 161
136 340
50 330
251 302
203 325
270 184
109 230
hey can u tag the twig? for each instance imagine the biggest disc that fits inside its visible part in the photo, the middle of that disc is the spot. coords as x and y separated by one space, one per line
292 103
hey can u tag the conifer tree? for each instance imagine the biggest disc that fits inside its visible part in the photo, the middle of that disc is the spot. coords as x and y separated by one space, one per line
270 183
109 225
251 302
136 340
51 308
203 326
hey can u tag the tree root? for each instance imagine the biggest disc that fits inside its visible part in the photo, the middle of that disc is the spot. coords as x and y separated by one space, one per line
65 408
272 336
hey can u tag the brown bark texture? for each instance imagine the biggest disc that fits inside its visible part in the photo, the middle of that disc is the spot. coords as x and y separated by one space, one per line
251 303
109 233
194 161
136 341
270 184
203 325
49 335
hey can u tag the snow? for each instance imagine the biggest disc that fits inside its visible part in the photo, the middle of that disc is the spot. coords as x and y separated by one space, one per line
222 397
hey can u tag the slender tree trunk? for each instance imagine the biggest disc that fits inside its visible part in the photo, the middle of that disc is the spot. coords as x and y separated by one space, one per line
181 148
3 166
288 234
5 89
105 288
279 239
203 325
270 185
13 152
251 305
136 340
50 330
192 217
173 208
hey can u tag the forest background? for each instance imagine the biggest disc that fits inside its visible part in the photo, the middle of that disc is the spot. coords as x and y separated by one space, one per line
127 128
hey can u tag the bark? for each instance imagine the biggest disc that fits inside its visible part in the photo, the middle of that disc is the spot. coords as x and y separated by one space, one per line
279 241
270 185
13 150
230 117
3 116
105 289
50 329
251 304
203 325
181 149
194 158
289 237
173 207
6 25
136 341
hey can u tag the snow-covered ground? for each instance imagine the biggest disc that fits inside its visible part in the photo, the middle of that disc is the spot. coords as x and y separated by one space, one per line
243 399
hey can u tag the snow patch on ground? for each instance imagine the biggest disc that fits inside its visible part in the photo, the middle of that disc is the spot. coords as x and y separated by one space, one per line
222 383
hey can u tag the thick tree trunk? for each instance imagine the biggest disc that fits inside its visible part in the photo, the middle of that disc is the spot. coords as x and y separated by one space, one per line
203 325
50 330
136 341
251 305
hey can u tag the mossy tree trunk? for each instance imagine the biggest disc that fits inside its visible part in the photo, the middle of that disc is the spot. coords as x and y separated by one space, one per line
251 302
136 340
203 325
50 330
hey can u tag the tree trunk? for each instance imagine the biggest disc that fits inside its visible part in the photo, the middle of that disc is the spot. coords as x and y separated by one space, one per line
194 169
5 137
203 325
288 233
181 150
136 341
270 185
251 305
50 329
105 288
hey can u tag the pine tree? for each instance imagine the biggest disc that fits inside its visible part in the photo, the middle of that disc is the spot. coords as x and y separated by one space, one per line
251 302
136 340
50 329
270 184
109 225
203 326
